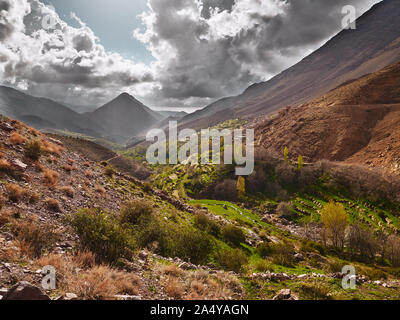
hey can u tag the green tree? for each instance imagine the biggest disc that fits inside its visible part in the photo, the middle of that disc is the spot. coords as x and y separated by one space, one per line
286 154
300 162
335 220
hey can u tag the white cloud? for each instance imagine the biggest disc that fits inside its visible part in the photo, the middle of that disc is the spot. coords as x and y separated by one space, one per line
203 49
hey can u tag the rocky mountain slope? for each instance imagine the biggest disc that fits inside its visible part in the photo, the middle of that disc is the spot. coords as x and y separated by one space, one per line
374 45
357 122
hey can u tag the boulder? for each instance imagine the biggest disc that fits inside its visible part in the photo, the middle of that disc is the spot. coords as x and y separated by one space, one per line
285 294
25 291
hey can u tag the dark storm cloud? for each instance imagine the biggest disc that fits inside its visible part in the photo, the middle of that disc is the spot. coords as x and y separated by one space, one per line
220 52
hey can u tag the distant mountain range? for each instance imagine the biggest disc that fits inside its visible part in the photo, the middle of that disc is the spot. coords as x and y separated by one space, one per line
117 121
373 45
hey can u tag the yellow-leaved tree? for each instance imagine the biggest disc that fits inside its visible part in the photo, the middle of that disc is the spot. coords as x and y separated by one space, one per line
241 187
335 220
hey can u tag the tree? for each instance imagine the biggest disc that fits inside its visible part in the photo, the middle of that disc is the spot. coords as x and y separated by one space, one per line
300 163
241 187
335 220
286 154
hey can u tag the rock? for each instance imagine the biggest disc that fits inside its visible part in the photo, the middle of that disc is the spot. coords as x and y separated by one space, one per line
285 294
143 255
70 296
25 291
19 165
127 298
187 266
299 257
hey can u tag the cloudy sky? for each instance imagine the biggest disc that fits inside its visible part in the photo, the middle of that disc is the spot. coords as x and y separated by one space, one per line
167 53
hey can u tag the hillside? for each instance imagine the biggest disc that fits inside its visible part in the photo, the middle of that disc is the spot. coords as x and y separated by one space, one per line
109 236
357 122
349 55
44 113
124 117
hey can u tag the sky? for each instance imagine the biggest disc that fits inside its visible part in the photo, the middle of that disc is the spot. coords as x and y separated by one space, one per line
170 54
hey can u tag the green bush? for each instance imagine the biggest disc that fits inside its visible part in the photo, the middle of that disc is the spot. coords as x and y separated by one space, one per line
135 210
202 222
33 150
264 249
101 234
189 244
232 260
283 254
233 235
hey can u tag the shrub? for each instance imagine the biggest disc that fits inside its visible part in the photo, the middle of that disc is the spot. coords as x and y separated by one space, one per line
284 210
283 254
16 139
192 245
226 190
50 177
33 150
201 221
51 148
53 205
67 168
5 166
101 234
40 237
264 249
316 291
233 235
99 189
109 170
263 266
232 260
15 192
68 191
133 211
89 173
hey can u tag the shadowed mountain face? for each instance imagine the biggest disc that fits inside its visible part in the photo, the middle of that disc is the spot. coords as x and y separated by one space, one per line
44 113
349 55
357 122
124 117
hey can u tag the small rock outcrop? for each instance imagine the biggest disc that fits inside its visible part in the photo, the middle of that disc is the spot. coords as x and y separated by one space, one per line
25 291
285 294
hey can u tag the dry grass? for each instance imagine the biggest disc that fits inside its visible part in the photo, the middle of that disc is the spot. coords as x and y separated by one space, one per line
172 270
40 237
33 197
89 174
53 205
50 177
68 168
5 165
97 283
15 192
174 289
52 148
39 167
71 162
5 217
68 191
16 139
99 189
